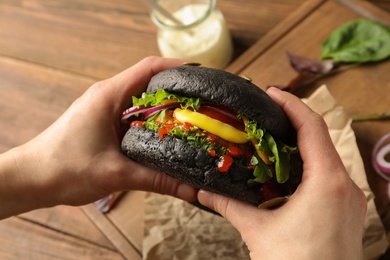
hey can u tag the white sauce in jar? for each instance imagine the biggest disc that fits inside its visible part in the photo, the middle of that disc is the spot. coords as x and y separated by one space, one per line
208 43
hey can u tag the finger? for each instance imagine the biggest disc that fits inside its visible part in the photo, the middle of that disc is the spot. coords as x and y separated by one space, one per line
132 175
242 216
114 94
133 81
314 142
164 184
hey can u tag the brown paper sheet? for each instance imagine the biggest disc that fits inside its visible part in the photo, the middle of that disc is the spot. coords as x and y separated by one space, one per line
177 230
375 242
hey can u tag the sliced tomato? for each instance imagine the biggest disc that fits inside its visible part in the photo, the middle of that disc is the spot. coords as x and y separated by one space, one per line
234 151
222 114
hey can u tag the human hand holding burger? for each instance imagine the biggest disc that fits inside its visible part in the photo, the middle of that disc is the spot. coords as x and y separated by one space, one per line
323 219
78 159
216 131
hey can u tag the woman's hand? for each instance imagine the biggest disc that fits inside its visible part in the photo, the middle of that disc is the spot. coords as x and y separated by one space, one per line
323 219
78 159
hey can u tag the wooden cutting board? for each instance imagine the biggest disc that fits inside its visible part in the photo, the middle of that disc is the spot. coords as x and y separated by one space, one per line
361 90
48 77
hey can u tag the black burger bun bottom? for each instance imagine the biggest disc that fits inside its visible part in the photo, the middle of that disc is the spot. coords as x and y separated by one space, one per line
188 164
194 166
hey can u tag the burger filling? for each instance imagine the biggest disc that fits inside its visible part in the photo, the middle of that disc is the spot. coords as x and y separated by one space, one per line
224 134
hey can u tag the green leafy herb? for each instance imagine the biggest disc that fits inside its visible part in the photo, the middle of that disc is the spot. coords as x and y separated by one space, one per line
262 172
255 131
193 136
360 40
277 152
282 160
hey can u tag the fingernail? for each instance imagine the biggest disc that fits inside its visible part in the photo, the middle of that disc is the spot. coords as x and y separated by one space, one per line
205 198
272 88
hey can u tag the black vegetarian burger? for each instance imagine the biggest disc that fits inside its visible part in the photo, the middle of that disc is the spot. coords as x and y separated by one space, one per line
215 131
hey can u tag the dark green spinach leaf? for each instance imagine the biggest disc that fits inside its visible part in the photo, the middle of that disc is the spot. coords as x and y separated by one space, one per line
350 45
360 40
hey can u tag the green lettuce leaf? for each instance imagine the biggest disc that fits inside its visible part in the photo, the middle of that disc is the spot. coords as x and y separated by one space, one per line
282 159
262 172
155 99
255 131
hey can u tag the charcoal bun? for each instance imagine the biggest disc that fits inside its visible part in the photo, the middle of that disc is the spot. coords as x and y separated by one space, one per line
229 90
194 166
188 164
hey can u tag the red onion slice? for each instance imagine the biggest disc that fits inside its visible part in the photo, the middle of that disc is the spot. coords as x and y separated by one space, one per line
381 162
154 110
381 149
146 111
128 113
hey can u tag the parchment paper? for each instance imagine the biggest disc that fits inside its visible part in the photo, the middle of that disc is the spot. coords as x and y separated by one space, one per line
177 230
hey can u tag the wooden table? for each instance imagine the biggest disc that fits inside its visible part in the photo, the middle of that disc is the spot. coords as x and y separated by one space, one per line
51 51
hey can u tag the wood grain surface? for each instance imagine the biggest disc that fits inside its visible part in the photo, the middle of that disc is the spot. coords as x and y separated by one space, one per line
361 90
51 51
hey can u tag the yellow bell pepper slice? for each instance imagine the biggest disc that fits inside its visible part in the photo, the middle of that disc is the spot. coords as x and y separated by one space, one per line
211 125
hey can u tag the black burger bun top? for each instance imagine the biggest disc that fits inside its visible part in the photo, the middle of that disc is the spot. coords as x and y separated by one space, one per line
229 90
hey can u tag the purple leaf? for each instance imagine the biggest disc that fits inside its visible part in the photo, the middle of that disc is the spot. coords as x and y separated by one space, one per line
301 64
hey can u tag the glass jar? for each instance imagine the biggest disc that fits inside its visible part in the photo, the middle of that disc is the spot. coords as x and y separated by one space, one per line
196 33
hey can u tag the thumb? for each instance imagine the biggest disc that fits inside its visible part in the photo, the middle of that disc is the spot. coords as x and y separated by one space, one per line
241 215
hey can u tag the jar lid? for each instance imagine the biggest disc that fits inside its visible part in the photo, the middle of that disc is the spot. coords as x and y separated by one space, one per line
163 21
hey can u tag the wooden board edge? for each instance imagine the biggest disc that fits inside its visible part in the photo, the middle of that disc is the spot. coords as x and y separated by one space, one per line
124 246
274 35
368 10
